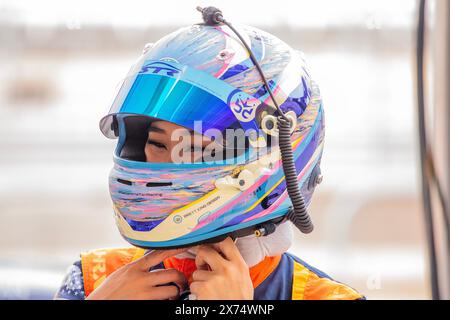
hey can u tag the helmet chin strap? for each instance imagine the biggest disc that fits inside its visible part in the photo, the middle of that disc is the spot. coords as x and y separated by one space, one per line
253 248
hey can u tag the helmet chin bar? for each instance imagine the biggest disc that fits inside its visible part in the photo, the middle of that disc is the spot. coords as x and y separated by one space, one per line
260 230
167 233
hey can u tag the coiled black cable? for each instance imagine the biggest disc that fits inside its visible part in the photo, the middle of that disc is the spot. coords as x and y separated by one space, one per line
298 214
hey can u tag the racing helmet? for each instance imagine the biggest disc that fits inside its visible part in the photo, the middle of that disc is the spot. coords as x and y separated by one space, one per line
202 78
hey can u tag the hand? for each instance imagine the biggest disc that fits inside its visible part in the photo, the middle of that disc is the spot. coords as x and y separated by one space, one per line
228 277
134 281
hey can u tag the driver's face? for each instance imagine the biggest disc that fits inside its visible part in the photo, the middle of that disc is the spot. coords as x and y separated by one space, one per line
159 144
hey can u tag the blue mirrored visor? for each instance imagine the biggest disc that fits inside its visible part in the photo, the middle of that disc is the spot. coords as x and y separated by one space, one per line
184 96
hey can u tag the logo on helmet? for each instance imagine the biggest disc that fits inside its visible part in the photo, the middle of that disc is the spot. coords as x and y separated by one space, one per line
243 105
177 219
160 67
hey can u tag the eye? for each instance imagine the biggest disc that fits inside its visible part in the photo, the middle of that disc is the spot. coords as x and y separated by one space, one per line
157 144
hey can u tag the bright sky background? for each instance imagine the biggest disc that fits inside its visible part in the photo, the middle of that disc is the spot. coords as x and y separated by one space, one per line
143 13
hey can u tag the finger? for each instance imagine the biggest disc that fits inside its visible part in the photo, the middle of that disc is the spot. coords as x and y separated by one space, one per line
196 288
201 275
201 290
207 255
229 250
165 276
164 292
154 257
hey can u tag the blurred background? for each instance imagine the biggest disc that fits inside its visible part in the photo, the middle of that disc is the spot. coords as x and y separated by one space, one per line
61 60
